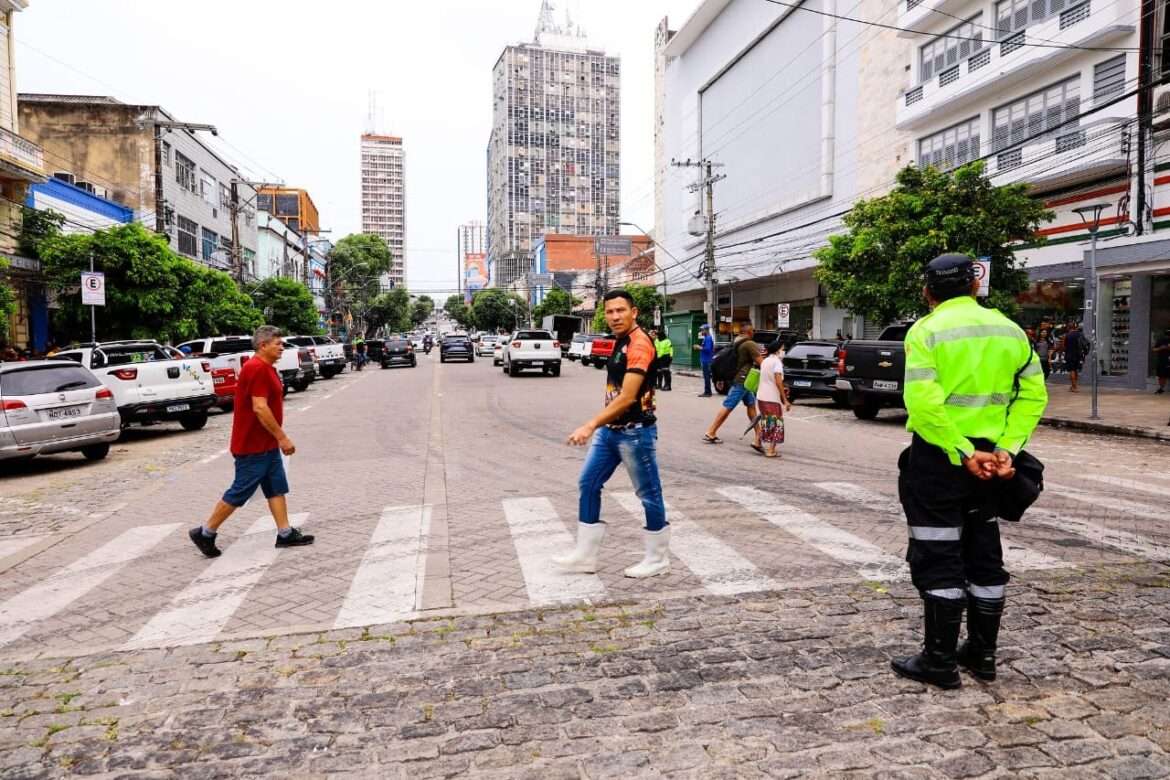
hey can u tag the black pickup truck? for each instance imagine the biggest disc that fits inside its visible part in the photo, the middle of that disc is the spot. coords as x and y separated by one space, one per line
873 372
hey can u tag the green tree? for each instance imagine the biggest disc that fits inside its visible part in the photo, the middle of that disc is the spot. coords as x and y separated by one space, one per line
496 309
556 301
7 302
646 299
355 267
151 292
421 309
875 269
389 311
35 226
459 311
287 304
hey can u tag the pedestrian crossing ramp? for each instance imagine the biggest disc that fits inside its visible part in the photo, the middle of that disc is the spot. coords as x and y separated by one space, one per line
146 587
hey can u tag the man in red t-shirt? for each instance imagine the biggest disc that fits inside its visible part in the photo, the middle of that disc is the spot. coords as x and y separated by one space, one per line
257 444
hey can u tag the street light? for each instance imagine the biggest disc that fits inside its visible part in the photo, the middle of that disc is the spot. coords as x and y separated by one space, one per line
1091 216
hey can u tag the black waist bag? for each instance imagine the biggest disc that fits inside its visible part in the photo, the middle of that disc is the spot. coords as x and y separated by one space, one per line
1021 491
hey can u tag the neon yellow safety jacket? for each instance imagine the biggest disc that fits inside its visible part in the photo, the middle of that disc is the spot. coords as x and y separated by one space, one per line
664 347
961 363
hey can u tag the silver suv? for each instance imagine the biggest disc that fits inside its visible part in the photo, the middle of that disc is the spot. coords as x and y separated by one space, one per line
51 406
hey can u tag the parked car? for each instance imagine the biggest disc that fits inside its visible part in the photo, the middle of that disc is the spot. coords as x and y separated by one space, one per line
222 351
577 346
398 351
296 368
49 406
498 350
872 372
225 381
532 349
487 344
598 350
810 371
149 385
329 355
456 348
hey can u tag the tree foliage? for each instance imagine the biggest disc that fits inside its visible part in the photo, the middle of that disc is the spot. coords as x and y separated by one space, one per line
459 311
151 292
875 269
646 299
556 301
7 303
35 226
496 309
355 267
287 304
389 312
421 309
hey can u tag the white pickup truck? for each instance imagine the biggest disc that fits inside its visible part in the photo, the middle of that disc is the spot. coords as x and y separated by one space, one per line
296 365
532 349
326 353
149 385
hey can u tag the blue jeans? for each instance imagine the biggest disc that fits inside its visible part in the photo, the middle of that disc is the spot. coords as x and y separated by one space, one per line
706 379
264 470
635 448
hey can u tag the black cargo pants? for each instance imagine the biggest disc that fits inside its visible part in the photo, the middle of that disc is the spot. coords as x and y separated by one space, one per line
954 535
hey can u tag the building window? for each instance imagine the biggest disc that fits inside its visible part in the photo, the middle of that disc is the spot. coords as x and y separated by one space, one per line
210 244
1051 110
951 48
166 154
264 203
1013 16
1164 41
207 187
225 196
952 147
287 205
188 231
1108 79
185 172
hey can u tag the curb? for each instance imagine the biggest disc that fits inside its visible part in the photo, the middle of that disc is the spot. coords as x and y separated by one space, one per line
1090 426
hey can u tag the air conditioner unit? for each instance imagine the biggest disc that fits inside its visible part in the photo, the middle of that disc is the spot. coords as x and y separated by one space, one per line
68 178
1161 118
84 185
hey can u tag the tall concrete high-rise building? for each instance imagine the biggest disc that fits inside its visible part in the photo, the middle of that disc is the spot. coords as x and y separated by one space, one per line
384 197
553 158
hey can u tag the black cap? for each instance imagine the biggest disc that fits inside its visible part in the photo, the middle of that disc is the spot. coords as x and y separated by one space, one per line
950 272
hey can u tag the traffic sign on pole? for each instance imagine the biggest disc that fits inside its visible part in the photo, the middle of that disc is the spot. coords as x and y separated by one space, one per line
93 288
983 274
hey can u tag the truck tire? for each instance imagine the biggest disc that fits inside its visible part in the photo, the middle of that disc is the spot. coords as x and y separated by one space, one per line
193 422
866 410
302 385
96 451
841 398
599 366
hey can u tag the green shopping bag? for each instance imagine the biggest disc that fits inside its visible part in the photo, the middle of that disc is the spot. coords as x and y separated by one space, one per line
752 383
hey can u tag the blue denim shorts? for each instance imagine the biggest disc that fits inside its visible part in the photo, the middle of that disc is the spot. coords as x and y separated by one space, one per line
264 470
736 394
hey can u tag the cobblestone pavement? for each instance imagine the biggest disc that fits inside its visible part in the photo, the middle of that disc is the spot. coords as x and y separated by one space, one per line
781 684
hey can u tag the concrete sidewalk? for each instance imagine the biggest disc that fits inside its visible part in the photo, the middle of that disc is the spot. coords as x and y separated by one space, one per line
1124 412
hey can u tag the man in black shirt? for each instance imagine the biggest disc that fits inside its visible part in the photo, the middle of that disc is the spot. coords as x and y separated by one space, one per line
624 431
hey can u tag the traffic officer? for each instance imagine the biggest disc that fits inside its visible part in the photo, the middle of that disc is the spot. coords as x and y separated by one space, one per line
975 392
665 349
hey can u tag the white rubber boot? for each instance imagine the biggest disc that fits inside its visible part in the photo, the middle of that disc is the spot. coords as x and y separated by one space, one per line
657 560
583 559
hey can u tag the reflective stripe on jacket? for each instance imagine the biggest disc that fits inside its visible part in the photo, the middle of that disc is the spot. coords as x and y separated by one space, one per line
961 362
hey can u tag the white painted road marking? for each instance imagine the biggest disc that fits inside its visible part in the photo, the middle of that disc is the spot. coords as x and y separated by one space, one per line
384 588
1127 542
212 457
11 545
872 562
1108 503
722 570
538 536
1129 484
204 607
47 598
1015 555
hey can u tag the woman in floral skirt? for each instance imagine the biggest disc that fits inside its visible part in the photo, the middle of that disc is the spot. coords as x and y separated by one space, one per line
773 398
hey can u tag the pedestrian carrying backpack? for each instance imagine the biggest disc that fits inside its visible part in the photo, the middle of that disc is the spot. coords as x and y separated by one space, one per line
723 367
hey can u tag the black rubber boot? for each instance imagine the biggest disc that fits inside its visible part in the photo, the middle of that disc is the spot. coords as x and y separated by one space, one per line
936 664
977 654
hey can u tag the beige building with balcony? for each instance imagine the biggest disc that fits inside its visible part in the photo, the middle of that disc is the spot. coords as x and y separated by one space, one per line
21 164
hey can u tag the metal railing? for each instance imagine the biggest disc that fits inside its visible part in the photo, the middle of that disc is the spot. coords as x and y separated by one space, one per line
21 149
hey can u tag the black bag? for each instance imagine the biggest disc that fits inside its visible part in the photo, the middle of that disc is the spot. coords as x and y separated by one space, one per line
1022 490
726 363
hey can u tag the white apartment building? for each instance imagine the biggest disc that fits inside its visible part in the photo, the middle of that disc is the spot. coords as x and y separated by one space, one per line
384 198
280 249
554 155
795 110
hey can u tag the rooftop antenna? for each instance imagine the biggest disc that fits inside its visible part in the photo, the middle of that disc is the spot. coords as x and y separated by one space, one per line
545 23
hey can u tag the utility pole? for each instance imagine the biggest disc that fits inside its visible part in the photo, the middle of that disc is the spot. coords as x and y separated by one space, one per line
1145 104
237 266
708 183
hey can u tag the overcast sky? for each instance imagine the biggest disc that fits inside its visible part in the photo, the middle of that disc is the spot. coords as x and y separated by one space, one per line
287 84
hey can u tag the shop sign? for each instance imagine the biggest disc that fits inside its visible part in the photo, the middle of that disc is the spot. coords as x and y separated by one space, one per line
783 315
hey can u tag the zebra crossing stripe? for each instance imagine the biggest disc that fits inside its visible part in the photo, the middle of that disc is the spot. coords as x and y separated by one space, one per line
539 535
14 544
870 561
1129 484
1130 543
205 606
722 570
384 588
1015 556
1104 502
62 588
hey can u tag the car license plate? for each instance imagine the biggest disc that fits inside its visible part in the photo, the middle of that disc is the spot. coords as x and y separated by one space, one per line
179 408
881 384
63 414
538 362
801 383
